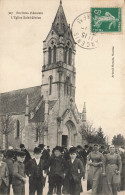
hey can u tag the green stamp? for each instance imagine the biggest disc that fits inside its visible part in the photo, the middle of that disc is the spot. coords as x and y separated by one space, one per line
105 19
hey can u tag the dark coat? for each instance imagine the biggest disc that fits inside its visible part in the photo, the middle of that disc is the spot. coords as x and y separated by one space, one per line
58 166
72 182
84 155
4 175
30 169
18 173
28 157
10 164
45 156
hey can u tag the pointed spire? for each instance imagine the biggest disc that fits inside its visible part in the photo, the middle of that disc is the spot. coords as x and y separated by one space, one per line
84 108
27 100
60 2
60 24
84 113
27 106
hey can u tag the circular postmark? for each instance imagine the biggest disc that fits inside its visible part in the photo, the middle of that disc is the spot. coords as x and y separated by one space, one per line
82 34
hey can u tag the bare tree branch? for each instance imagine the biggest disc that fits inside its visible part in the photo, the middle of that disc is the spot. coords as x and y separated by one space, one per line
6 124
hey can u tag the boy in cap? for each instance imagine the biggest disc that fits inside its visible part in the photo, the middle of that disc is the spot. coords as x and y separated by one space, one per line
58 170
72 183
4 176
34 170
19 178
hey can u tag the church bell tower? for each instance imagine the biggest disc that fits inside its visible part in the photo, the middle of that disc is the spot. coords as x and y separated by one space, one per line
58 70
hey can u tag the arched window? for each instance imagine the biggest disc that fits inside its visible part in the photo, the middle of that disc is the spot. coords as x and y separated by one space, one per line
17 129
54 54
65 54
67 86
50 55
70 57
50 85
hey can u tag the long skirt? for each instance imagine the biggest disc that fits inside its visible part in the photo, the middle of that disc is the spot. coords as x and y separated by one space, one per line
111 182
123 178
94 178
71 187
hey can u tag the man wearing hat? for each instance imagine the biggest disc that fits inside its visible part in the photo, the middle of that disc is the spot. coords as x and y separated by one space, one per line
58 170
85 153
35 171
4 175
72 182
44 153
19 178
28 157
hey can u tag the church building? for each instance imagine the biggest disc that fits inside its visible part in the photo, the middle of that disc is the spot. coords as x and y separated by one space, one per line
47 113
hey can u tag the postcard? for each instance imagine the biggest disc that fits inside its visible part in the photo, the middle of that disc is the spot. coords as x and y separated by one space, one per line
62 65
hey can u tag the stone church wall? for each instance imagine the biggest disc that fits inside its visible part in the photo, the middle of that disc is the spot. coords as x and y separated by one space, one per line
13 139
52 126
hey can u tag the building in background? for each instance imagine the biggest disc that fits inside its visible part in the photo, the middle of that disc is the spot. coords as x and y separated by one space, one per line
48 113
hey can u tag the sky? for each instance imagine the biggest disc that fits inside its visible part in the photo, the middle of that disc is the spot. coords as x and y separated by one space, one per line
21 59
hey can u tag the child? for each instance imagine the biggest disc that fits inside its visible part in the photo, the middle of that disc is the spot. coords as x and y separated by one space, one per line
34 170
58 169
4 176
72 183
19 179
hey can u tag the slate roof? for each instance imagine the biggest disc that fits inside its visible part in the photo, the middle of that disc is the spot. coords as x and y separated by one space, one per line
14 102
39 115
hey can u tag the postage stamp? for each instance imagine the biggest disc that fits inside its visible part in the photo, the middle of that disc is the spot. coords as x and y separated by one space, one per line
82 33
106 19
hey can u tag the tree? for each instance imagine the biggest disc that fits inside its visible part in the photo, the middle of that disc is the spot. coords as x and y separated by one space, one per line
39 129
6 127
92 135
118 140
100 138
88 132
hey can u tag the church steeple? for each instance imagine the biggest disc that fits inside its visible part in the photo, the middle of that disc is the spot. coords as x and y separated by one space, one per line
84 113
58 68
60 24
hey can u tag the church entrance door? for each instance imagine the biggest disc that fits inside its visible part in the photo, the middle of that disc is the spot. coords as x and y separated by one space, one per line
64 140
65 137
72 135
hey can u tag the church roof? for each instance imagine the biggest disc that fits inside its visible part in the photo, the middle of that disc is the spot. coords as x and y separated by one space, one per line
60 24
39 114
14 102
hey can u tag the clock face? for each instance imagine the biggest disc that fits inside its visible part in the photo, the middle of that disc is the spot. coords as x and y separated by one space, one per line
82 34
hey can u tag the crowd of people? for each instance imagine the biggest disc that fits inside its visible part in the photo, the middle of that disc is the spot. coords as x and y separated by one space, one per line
65 168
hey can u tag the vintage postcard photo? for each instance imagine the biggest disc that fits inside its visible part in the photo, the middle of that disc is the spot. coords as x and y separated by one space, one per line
62 97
